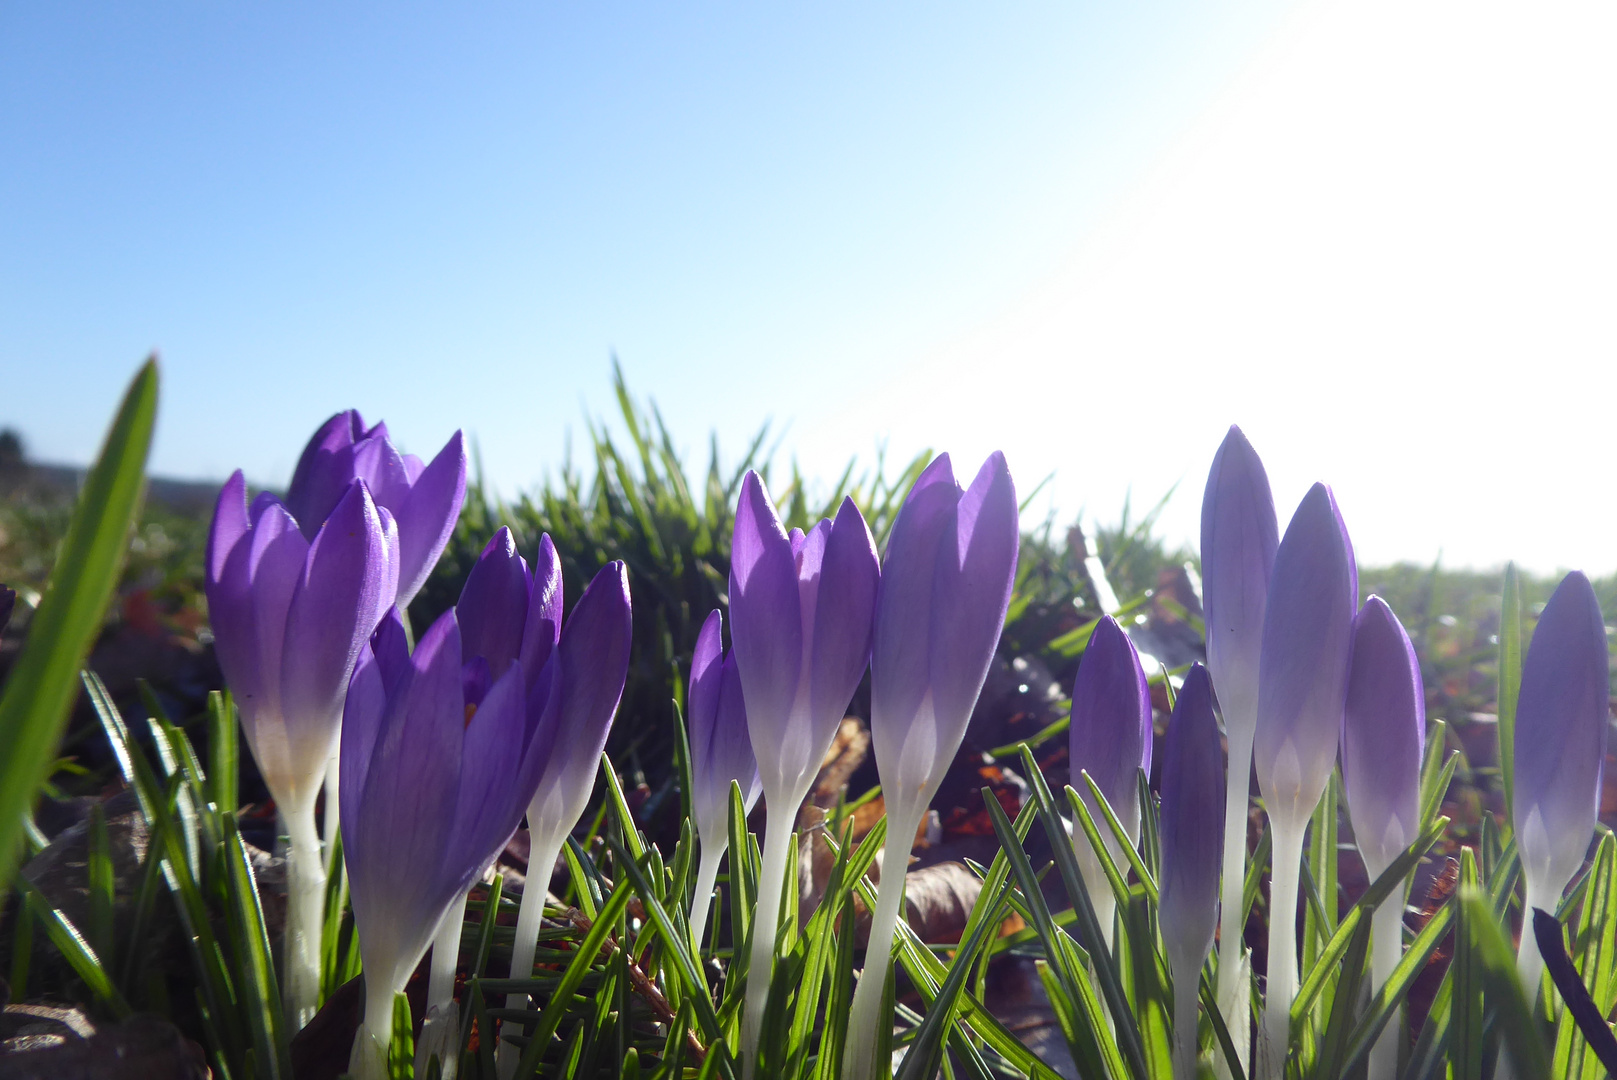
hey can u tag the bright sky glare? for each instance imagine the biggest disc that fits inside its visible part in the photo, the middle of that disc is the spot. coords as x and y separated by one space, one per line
1379 236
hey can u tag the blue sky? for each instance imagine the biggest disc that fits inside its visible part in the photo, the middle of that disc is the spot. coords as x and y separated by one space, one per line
454 216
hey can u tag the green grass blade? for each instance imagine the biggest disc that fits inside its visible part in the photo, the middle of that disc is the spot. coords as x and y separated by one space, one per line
261 996
74 948
1111 984
42 684
223 753
1511 633
100 875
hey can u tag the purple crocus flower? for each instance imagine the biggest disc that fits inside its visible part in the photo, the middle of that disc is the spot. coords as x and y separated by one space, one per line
1383 743
1302 689
950 569
721 754
1383 737
509 620
424 499
1192 839
1563 713
290 616
434 781
1239 537
800 611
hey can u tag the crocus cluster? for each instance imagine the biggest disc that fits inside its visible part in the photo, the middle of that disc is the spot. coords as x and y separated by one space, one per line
294 590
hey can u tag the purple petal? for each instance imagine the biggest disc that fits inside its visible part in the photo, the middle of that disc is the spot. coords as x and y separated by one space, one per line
334 609
845 608
427 517
324 471
976 572
542 629
1110 735
1563 711
276 555
489 806
592 663
1192 819
378 462
1383 736
732 755
391 646
228 583
475 680
702 701
406 816
766 623
493 605
900 664
1303 661
229 525
362 717
1239 537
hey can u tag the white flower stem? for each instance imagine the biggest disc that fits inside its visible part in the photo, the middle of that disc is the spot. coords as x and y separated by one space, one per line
1282 981
1101 897
1529 961
368 1060
445 954
765 926
305 914
707 873
440 1028
865 1017
1233 990
1387 948
1186 1048
544 846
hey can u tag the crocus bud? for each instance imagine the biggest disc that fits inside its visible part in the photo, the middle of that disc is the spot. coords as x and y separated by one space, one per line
1563 711
721 751
1303 665
1239 536
721 754
575 695
1383 737
1192 849
800 612
432 789
424 500
1191 824
1302 689
289 619
951 565
1110 734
